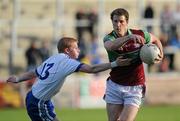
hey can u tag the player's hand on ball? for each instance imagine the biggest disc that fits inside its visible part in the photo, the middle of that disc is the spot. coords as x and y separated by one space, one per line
123 61
137 39
158 59
150 54
12 79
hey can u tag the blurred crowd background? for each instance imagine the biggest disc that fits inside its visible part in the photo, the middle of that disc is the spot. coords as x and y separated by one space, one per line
30 29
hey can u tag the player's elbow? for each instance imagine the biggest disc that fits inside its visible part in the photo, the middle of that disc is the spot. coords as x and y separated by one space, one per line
110 46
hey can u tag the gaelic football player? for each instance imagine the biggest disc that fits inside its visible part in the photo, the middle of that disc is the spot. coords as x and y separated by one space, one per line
126 84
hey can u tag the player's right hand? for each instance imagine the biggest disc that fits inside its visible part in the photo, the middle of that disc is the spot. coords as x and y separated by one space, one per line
123 61
12 79
137 39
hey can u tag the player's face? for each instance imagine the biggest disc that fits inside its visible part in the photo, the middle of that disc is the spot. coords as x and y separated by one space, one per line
74 50
120 25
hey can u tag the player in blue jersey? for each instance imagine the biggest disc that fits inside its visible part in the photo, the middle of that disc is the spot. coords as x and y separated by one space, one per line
50 76
126 84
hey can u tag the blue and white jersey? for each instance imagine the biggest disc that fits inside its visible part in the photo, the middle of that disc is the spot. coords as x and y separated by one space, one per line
51 75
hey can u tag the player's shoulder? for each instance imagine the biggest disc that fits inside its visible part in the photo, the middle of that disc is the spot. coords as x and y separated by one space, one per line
138 31
57 57
109 36
145 34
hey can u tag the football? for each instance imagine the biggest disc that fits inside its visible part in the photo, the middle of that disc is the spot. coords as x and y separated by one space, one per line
148 53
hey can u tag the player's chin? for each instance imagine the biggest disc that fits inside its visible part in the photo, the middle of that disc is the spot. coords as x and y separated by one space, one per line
118 31
76 57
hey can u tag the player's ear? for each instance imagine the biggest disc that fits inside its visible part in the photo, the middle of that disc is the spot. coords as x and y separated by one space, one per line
66 50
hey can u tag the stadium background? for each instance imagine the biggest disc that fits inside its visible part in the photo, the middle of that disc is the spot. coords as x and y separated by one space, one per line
22 20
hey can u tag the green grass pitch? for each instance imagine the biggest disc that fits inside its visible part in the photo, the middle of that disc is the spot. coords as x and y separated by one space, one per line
146 113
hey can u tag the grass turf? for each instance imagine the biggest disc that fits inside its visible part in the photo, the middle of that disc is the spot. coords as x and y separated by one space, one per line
147 113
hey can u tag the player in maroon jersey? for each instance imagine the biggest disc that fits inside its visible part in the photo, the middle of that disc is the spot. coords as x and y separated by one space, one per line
126 84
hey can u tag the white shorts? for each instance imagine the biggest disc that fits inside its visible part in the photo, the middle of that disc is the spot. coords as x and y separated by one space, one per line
126 95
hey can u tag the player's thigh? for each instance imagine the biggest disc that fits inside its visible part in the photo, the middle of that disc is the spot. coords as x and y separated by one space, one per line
128 113
113 111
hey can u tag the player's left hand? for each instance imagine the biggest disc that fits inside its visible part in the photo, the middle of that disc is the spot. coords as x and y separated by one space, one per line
158 59
12 79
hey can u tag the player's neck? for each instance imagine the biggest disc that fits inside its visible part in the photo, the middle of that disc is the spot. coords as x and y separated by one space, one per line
122 34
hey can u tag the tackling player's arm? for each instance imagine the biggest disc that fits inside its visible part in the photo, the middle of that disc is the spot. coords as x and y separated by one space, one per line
24 77
104 66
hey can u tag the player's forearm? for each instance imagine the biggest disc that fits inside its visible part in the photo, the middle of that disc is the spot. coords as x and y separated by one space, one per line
26 76
103 67
116 44
100 67
157 42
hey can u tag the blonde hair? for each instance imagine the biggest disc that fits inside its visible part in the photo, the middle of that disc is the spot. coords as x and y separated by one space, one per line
65 42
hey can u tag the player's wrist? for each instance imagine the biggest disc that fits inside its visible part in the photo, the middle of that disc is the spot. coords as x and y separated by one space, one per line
114 64
126 38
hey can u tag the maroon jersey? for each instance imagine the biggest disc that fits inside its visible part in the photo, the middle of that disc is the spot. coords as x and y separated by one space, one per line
134 73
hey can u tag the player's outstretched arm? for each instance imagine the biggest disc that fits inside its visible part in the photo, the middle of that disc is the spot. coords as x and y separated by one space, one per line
104 66
24 77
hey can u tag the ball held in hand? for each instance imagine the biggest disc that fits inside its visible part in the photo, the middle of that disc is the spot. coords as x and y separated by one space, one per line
149 53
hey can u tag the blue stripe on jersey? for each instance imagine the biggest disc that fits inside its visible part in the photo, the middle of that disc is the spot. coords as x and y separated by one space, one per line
77 69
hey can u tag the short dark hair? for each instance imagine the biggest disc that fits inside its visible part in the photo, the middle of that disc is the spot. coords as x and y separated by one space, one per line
65 42
120 12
